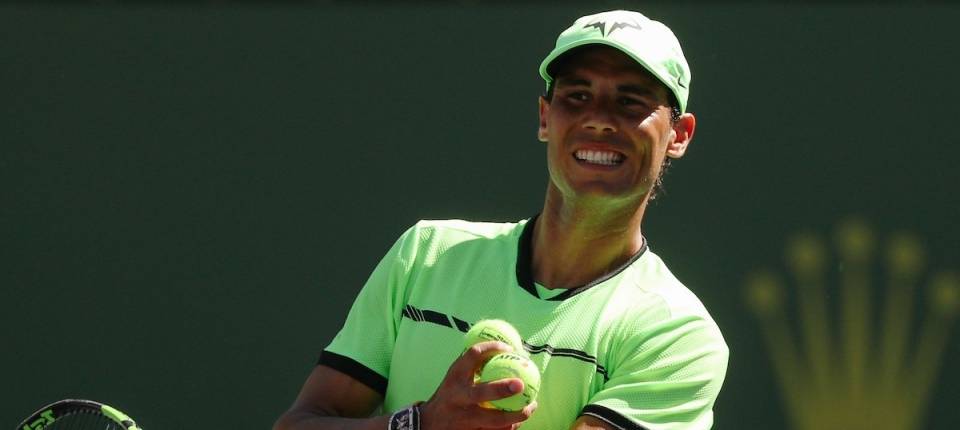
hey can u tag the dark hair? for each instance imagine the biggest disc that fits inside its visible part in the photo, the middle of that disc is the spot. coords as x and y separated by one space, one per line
562 62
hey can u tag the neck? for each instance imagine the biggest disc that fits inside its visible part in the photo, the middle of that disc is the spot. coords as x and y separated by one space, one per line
577 242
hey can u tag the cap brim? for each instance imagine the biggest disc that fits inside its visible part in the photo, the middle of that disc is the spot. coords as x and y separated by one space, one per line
560 51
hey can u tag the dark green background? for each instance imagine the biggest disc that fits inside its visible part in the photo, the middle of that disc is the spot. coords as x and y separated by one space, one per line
192 195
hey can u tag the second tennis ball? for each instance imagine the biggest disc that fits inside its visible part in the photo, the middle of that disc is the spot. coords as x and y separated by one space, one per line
510 365
487 330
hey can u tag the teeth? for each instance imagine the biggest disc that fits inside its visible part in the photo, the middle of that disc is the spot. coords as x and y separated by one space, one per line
599 157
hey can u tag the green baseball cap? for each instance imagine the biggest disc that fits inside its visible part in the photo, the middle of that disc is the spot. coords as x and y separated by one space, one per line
649 42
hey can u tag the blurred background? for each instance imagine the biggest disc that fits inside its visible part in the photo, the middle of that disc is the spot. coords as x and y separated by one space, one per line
193 193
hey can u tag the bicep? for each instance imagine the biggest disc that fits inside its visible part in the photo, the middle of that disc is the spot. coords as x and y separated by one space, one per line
329 392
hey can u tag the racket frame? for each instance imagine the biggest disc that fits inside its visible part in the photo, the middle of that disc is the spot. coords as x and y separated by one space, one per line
48 414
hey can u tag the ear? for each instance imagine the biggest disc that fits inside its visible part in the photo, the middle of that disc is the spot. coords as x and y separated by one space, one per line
544 111
682 131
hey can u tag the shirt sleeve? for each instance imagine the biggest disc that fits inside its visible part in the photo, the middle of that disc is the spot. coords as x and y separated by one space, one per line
363 348
667 378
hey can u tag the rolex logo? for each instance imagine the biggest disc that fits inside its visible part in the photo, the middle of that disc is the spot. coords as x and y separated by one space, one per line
855 328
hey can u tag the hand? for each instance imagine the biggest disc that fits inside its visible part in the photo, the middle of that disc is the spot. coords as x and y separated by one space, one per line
456 403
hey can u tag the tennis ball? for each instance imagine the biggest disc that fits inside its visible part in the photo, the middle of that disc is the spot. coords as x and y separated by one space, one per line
488 330
510 365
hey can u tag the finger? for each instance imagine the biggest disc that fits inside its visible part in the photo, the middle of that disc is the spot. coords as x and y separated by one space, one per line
473 358
495 419
528 410
495 390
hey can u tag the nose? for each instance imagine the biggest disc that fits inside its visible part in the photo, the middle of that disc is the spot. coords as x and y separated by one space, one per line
600 121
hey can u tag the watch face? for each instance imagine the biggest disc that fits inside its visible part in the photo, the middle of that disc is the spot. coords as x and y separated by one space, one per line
406 419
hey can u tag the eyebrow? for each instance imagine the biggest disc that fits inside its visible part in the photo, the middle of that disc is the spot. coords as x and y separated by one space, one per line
629 88
572 82
637 90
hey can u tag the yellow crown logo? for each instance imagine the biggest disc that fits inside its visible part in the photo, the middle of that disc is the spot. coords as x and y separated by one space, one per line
870 366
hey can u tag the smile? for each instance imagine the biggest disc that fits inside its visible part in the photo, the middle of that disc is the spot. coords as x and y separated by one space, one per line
604 158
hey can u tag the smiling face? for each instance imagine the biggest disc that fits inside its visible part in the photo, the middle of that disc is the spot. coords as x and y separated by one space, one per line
608 127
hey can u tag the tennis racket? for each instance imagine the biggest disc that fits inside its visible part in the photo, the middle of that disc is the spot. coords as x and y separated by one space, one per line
78 414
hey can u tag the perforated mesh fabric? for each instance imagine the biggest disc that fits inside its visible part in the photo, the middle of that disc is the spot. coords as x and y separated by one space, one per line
638 349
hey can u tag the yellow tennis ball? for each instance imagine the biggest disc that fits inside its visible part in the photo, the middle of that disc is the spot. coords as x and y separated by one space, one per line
510 365
488 330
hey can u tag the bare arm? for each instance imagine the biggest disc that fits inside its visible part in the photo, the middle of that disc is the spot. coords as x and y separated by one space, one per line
331 400
586 422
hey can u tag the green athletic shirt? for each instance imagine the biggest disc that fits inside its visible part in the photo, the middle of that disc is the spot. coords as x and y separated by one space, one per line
635 348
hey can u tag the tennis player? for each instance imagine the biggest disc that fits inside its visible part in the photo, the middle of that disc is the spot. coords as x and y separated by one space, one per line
619 341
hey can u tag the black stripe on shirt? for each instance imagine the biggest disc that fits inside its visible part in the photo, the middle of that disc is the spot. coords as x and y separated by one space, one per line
424 315
611 417
436 318
409 313
462 325
355 370
567 352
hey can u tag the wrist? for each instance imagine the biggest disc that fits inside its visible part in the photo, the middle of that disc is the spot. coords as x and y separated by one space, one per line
406 419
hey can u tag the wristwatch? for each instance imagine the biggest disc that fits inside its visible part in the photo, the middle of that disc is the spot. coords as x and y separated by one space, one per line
406 419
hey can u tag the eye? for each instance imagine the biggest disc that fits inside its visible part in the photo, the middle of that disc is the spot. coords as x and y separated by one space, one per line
578 96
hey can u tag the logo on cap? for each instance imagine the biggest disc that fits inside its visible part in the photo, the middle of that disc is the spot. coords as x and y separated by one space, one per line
602 26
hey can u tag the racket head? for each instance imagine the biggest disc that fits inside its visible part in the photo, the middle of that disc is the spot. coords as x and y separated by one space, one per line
78 413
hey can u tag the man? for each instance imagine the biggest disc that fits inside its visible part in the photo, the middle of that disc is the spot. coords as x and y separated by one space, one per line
620 343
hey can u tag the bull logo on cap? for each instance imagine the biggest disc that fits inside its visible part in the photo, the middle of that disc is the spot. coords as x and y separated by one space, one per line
602 26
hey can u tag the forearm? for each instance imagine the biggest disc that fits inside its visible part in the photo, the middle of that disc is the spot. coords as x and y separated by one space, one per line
303 420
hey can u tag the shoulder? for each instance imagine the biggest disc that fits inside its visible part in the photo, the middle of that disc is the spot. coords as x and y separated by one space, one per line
663 325
650 280
454 231
427 240
655 301
458 228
